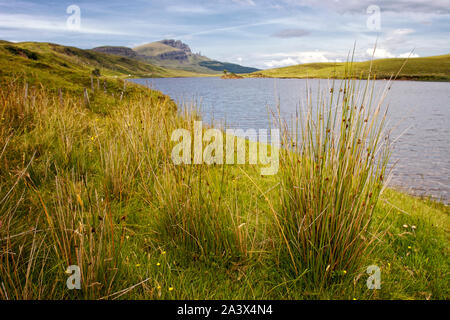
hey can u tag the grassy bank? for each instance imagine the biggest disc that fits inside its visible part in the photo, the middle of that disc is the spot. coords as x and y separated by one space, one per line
87 179
436 68
62 66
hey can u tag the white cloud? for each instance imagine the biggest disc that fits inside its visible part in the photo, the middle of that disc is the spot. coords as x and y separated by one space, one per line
280 63
381 53
288 59
284 59
358 6
401 32
397 37
408 55
23 21
227 29
245 2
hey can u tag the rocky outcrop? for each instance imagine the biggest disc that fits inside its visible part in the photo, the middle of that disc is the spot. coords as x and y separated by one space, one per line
119 51
173 55
177 44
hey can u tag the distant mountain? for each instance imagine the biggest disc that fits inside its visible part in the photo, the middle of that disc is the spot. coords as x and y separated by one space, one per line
175 54
165 50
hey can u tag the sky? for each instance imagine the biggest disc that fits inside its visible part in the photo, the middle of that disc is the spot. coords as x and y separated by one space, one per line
258 33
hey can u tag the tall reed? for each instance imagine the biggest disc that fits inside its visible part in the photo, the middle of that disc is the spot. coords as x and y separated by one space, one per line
195 212
331 178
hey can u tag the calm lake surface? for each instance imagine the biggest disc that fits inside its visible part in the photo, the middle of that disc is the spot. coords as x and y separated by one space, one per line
421 154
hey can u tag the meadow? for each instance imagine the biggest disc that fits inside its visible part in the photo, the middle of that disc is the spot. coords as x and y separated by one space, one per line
435 68
87 179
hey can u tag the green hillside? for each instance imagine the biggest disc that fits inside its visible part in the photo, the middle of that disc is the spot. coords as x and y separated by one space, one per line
192 63
154 49
63 66
436 68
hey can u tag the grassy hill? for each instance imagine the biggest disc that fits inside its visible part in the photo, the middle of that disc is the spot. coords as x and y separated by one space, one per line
436 68
154 49
59 65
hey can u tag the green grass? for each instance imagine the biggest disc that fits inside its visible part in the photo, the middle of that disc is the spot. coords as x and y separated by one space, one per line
92 183
64 66
436 68
154 49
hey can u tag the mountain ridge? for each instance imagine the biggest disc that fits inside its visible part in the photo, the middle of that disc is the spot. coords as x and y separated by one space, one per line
174 54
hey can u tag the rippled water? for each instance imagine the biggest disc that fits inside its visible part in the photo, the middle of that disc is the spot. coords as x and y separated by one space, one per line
421 153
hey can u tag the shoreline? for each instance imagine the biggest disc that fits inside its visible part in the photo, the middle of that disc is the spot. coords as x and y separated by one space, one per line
244 76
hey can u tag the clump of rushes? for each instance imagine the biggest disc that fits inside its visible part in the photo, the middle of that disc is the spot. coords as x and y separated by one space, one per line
195 212
331 179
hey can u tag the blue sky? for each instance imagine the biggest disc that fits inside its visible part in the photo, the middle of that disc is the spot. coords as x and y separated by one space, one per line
259 33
